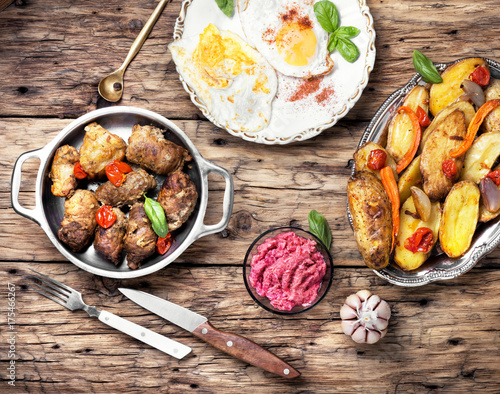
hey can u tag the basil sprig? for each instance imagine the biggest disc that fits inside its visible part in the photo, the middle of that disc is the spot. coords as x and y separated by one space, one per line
226 6
426 68
340 36
320 228
156 215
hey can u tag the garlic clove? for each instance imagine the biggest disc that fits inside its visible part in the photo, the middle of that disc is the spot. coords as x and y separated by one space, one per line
380 324
364 294
383 332
359 336
349 327
347 313
353 301
383 310
372 302
373 337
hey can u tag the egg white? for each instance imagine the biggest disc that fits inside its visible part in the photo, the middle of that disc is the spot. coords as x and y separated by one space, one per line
262 20
237 104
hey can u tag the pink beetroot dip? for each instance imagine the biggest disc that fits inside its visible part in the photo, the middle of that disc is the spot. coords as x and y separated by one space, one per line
288 270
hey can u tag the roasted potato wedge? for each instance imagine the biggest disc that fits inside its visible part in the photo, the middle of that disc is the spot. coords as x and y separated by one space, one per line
447 137
480 157
408 224
372 218
400 132
445 93
459 219
464 106
410 177
492 120
361 159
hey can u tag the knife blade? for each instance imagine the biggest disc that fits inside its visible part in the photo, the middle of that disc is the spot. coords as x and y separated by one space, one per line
232 344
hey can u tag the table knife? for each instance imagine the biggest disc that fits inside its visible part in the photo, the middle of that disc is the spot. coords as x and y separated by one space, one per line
232 344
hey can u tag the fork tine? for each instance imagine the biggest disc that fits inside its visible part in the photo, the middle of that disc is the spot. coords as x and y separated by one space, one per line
54 281
54 287
63 297
48 296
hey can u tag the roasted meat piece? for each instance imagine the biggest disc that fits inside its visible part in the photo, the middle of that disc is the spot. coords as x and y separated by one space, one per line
62 171
78 225
140 239
129 192
109 241
149 148
99 148
178 198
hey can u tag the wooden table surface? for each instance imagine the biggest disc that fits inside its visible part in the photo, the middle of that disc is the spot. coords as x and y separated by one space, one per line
442 337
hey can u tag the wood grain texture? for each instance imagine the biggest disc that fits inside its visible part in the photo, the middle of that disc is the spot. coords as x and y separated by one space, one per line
442 337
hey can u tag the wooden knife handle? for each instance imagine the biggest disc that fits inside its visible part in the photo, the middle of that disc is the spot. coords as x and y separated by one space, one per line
244 349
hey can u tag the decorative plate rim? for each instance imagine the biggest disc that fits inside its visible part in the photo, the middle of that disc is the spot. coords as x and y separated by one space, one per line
369 59
470 259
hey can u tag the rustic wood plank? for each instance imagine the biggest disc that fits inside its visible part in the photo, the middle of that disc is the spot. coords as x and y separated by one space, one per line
440 337
56 70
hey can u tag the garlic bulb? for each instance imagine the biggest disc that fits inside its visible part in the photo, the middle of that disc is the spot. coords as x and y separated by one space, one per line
365 317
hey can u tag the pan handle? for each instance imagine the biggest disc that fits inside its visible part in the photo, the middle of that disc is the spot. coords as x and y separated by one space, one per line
36 213
227 206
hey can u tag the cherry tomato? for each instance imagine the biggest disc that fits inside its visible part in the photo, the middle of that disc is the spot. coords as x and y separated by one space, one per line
495 177
163 244
105 216
78 171
376 159
116 170
449 168
423 119
123 167
420 241
481 76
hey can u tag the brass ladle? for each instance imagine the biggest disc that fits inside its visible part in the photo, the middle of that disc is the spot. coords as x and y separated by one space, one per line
111 87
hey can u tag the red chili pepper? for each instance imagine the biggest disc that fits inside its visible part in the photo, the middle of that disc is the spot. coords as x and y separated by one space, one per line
116 170
78 171
163 244
417 134
420 241
495 177
376 159
423 119
480 75
449 169
105 216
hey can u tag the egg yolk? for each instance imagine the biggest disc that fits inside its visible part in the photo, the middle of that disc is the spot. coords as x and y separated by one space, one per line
220 58
296 44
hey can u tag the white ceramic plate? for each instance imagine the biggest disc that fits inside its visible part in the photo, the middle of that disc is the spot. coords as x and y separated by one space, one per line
294 121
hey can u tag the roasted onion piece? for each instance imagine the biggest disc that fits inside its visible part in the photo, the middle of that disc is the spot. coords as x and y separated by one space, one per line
490 194
474 92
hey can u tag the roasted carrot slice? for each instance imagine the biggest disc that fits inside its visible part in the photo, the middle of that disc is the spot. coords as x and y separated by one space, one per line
408 157
478 118
391 187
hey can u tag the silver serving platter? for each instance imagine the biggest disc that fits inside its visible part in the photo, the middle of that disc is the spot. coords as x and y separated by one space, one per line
439 266
49 209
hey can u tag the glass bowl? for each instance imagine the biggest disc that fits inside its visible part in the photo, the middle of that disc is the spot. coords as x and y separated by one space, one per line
264 301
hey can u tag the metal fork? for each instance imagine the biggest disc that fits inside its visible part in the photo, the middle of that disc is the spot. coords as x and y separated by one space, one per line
72 299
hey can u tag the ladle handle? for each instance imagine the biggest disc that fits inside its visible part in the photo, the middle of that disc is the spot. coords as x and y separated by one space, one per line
137 44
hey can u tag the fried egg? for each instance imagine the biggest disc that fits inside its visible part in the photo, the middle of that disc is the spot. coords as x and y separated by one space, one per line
233 80
288 35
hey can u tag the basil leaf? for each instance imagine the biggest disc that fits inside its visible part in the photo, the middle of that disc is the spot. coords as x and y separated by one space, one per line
347 49
332 42
347 32
327 15
426 68
319 227
156 215
226 6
